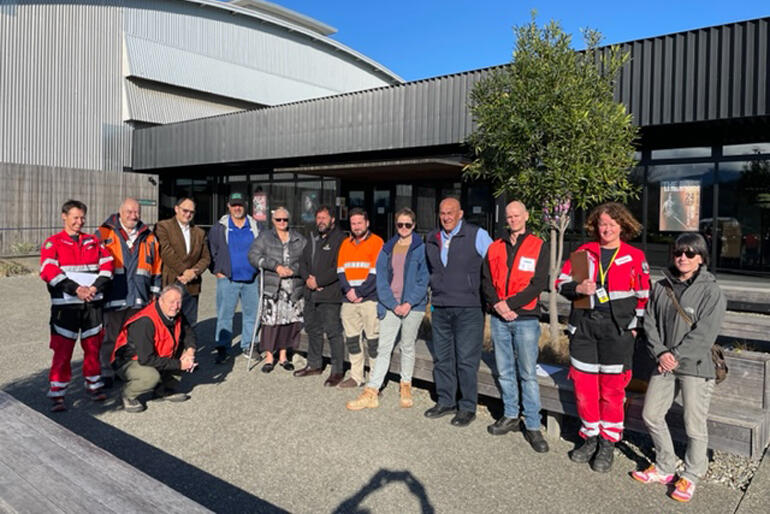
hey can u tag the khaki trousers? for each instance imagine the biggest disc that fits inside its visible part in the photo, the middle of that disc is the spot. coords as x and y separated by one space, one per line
360 319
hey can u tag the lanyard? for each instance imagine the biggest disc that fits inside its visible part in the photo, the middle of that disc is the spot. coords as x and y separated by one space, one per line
602 273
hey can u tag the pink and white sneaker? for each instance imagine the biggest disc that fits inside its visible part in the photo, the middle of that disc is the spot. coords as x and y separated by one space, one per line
683 490
651 475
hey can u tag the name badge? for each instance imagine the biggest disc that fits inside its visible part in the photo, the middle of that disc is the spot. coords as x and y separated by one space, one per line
526 264
602 295
623 260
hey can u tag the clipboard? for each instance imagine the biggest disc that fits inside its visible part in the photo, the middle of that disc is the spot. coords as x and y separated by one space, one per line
579 262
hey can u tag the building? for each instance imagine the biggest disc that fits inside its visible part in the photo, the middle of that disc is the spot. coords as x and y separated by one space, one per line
79 76
701 99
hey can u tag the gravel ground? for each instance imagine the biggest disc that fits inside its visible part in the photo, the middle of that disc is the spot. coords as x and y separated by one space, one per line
252 442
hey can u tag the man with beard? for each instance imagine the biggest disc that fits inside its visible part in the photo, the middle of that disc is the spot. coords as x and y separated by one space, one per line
136 255
323 297
357 271
229 242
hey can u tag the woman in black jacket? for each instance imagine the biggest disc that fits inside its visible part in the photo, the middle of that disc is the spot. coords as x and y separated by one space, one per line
277 252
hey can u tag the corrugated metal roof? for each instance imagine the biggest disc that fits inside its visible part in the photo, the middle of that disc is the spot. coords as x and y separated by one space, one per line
294 27
702 75
162 104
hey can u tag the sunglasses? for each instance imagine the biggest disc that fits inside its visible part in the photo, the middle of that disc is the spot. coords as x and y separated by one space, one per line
404 225
279 220
689 253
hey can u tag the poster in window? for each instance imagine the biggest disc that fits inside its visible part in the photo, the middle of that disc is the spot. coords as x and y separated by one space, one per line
259 210
309 206
679 205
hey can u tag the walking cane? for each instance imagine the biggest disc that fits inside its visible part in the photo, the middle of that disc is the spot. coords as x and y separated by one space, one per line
257 323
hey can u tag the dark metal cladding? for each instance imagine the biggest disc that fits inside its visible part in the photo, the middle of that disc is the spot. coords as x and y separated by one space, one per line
709 74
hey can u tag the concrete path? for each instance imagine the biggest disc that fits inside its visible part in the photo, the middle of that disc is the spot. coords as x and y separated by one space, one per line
252 442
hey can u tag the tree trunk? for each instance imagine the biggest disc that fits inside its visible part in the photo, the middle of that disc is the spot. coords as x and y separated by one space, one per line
553 314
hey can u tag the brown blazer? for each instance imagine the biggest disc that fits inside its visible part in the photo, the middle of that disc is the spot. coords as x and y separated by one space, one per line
175 257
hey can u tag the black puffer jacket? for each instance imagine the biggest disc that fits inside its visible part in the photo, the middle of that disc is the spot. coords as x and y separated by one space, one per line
266 252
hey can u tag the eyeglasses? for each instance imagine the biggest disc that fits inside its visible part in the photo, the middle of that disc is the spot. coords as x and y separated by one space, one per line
279 220
187 211
688 252
404 225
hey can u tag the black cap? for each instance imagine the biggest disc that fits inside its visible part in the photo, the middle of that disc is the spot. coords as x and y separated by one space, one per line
237 199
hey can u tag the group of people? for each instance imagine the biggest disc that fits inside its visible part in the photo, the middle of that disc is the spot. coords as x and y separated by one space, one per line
363 295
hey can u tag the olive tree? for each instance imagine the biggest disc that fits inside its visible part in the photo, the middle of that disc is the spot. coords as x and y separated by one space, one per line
549 132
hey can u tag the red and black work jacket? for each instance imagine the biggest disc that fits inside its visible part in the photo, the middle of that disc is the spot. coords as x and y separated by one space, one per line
627 284
165 341
60 255
515 273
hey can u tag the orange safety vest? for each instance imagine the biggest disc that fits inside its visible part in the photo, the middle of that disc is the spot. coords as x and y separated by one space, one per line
165 345
510 282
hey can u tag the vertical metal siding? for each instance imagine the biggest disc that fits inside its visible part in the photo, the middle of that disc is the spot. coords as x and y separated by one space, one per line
61 83
705 74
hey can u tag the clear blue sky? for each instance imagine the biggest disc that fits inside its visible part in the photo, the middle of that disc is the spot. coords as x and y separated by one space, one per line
425 38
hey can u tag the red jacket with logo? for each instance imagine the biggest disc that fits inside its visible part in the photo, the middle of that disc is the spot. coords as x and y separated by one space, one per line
60 255
627 284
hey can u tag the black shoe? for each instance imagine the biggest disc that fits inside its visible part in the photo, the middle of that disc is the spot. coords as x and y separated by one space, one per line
287 365
463 418
221 355
439 410
602 462
267 368
132 405
504 425
585 452
536 441
108 382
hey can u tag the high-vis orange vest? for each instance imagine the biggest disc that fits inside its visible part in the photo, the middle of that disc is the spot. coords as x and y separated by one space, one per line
509 282
165 345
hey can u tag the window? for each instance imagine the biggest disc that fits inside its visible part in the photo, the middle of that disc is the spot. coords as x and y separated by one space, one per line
682 153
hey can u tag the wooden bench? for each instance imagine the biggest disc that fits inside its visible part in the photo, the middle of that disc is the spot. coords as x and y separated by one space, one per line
739 418
46 468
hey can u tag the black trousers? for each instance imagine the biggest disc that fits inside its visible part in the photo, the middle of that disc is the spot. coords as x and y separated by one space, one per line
323 318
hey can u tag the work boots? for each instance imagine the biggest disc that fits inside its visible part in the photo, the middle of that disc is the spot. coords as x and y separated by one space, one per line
367 400
586 451
406 395
604 455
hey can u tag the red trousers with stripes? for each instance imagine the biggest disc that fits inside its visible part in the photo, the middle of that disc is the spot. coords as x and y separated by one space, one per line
74 322
600 401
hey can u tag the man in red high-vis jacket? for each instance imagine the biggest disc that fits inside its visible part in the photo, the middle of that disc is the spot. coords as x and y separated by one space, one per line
152 350
514 273
76 267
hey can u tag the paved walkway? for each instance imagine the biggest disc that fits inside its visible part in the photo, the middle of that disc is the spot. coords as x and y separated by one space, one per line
251 442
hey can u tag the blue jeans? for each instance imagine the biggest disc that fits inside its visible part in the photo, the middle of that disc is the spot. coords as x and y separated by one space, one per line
516 353
457 339
228 293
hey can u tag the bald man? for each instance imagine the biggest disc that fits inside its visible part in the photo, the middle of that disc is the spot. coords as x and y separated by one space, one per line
514 273
136 255
455 253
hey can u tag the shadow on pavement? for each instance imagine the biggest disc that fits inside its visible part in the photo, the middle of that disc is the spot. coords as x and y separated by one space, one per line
194 483
379 480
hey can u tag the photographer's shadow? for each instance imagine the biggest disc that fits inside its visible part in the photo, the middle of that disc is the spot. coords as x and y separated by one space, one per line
379 480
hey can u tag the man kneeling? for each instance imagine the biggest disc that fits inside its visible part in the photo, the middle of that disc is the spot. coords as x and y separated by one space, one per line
152 350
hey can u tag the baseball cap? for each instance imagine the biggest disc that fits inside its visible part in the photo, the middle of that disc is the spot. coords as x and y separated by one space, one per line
237 199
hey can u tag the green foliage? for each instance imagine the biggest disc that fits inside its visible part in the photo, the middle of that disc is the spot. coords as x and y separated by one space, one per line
548 129
21 248
12 268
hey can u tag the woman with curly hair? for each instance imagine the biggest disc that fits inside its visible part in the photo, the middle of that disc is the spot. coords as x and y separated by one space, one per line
602 335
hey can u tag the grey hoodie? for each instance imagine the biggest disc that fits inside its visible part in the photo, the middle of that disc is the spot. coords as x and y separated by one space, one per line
666 331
